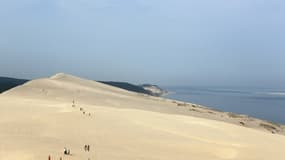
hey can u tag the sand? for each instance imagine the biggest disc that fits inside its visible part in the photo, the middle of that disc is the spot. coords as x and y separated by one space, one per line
39 119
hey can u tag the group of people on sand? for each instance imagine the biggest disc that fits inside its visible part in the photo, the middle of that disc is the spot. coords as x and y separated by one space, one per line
49 158
67 151
81 109
86 148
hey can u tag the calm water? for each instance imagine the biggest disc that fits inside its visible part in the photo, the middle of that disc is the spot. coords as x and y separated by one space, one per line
266 104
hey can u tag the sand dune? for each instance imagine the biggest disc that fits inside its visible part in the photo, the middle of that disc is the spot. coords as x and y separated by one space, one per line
43 116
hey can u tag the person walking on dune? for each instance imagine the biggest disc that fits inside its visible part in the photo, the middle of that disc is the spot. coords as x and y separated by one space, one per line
85 147
88 147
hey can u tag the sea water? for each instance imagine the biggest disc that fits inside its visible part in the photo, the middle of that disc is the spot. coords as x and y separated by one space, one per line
267 104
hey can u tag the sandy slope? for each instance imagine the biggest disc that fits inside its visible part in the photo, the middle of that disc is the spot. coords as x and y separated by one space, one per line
37 120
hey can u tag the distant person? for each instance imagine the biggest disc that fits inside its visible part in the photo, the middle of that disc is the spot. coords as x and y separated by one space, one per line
85 147
73 103
65 151
88 148
49 158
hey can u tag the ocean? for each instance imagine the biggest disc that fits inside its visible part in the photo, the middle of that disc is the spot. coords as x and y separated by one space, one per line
267 104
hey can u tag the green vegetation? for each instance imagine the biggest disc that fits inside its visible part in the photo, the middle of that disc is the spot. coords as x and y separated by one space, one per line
8 83
130 87
268 126
126 86
233 115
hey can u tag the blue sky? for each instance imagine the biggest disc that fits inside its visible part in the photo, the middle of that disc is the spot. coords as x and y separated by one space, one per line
181 42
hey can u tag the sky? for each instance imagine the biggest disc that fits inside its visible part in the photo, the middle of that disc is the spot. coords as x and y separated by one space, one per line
165 42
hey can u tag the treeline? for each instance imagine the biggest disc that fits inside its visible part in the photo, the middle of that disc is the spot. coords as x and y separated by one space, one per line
127 86
8 83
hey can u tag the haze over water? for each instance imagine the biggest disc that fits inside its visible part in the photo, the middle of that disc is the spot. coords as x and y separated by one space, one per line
181 42
268 104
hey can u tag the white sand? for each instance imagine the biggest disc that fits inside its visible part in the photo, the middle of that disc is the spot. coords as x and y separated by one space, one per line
37 120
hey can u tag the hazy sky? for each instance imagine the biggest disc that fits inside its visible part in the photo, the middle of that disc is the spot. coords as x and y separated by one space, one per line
167 42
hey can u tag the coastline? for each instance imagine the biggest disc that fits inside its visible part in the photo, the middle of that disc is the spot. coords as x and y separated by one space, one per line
258 103
242 120
49 114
